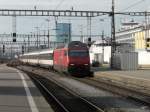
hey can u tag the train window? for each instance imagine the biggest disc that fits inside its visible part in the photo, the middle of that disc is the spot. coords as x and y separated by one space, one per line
45 56
42 56
78 53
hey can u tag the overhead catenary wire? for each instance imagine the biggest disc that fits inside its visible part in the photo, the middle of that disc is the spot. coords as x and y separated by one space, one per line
59 4
133 5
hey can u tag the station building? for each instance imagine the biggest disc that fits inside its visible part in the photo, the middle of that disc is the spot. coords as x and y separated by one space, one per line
139 37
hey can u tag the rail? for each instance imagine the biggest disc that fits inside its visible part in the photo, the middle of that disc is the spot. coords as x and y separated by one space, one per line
85 102
114 88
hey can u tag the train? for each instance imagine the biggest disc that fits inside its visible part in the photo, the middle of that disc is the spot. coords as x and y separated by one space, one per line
72 58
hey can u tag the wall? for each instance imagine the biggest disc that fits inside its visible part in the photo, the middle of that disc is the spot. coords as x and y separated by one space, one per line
144 58
98 50
140 40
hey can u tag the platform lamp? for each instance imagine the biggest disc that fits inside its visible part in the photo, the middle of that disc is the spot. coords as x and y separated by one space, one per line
14 37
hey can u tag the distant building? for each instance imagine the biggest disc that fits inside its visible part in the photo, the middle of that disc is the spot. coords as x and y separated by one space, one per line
139 38
100 51
63 32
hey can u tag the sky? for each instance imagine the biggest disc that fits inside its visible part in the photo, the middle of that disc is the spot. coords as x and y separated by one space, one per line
28 24
77 4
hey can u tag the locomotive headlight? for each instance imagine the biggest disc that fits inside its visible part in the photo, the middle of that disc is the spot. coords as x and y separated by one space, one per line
72 64
86 64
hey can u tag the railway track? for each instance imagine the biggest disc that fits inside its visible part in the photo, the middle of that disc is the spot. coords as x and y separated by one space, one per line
101 85
114 88
61 98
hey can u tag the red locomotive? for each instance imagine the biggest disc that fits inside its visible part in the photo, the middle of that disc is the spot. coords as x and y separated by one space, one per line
72 58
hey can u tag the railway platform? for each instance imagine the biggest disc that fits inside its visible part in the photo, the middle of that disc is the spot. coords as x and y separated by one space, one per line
19 94
138 80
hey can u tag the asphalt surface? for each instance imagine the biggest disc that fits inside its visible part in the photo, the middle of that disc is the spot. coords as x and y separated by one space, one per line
18 93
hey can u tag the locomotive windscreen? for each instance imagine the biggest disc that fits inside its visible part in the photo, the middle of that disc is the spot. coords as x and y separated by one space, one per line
78 53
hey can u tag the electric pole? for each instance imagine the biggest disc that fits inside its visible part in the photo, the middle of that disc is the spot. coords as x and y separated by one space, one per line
48 32
44 38
81 31
14 25
37 39
89 23
113 38
69 40
146 29
103 46
48 38
29 42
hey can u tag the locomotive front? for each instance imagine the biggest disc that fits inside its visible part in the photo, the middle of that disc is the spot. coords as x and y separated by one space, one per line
78 58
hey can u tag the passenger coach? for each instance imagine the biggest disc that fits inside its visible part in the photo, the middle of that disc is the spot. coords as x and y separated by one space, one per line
39 58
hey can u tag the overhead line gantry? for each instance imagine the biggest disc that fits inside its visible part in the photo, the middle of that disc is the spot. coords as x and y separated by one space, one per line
65 13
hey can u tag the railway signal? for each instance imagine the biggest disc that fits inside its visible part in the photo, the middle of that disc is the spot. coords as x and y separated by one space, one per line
3 49
89 42
14 35
14 39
